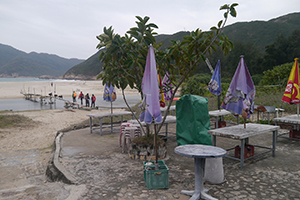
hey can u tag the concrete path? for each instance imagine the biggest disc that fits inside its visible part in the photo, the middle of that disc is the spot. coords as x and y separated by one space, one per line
99 170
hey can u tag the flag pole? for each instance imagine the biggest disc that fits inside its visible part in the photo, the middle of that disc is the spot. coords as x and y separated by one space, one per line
219 99
111 118
155 147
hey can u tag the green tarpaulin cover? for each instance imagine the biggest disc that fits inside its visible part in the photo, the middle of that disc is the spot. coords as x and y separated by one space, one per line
193 120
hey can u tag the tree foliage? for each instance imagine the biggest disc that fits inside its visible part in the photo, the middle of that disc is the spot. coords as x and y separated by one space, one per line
124 57
283 50
197 85
278 75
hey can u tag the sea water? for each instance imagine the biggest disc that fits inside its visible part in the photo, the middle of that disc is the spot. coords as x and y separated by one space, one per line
25 79
22 104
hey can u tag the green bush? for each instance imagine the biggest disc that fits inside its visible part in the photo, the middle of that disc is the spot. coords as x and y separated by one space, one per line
277 76
257 78
196 85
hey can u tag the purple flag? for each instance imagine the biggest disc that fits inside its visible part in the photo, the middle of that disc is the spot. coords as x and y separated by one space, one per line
151 90
167 87
241 92
109 93
214 85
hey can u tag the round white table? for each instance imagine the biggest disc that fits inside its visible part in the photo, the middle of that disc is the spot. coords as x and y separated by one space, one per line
199 153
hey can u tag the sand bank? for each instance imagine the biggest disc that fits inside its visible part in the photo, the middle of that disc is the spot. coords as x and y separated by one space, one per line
41 133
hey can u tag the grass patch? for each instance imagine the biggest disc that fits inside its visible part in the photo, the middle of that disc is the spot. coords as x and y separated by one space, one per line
8 121
46 148
266 98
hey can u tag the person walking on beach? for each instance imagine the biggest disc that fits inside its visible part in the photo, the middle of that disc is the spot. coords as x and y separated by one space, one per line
74 96
81 97
87 100
93 101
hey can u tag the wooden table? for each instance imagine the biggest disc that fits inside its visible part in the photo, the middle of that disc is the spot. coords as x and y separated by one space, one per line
100 116
238 132
199 153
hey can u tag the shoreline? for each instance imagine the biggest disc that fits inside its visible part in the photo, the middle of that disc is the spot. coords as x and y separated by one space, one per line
12 90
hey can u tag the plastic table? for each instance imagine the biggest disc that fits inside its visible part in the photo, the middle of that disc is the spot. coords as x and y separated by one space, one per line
199 153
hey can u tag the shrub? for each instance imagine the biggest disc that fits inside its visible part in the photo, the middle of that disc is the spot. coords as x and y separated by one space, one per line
277 76
196 85
148 140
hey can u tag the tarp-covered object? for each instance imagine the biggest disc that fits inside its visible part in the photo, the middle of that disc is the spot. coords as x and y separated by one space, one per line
193 120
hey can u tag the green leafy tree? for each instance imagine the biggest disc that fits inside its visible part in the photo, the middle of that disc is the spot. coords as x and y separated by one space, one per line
124 57
277 76
197 85
294 45
251 55
283 50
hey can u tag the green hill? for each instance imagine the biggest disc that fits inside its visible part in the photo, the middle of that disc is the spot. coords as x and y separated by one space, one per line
85 70
18 63
262 33
8 53
257 33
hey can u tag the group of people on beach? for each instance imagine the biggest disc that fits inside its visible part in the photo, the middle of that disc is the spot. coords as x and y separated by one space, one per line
87 98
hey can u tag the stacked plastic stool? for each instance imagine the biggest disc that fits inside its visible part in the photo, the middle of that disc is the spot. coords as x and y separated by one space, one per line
138 131
129 133
122 131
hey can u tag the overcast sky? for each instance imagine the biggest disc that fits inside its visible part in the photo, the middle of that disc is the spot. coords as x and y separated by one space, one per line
68 28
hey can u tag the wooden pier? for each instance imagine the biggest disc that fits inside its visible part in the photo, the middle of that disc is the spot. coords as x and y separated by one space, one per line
38 97
50 99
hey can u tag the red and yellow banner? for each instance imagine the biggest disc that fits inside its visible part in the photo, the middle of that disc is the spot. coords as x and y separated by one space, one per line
291 94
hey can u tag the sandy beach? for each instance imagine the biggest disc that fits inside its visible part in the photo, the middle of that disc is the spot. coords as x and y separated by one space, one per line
45 123
12 90
38 134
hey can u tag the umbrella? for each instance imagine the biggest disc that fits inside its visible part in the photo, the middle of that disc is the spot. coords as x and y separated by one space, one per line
291 94
214 85
167 87
151 94
239 98
110 95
